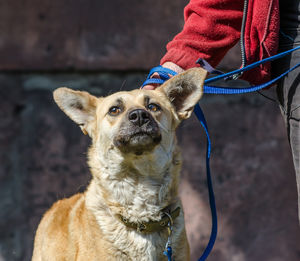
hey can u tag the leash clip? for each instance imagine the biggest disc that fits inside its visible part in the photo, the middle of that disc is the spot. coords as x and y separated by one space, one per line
168 247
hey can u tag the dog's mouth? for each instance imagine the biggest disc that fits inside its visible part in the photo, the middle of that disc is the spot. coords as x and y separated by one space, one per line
138 140
144 138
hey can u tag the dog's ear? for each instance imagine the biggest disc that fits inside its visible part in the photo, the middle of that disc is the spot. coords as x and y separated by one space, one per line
185 90
78 105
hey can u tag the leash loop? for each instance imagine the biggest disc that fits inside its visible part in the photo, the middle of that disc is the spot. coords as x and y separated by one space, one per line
164 74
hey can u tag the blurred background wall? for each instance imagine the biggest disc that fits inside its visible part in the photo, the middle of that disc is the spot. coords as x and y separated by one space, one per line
103 46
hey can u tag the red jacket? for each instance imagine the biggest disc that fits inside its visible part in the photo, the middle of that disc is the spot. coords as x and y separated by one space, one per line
212 27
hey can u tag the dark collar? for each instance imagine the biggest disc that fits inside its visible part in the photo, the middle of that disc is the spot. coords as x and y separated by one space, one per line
152 226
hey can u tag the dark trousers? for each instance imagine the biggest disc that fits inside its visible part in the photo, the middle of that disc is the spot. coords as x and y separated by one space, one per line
288 89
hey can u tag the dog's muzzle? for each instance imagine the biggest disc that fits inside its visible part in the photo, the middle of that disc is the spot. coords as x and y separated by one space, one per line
138 133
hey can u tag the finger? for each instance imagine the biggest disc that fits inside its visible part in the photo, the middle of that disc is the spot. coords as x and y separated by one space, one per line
150 87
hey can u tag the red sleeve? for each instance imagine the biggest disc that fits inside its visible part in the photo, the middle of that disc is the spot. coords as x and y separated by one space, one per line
211 28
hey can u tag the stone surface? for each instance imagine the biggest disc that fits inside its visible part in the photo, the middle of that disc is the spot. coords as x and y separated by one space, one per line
87 35
43 158
253 179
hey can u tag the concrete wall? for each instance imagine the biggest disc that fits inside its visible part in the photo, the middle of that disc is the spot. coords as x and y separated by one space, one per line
96 46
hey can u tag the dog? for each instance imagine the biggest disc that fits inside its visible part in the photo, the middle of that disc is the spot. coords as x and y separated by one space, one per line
131 208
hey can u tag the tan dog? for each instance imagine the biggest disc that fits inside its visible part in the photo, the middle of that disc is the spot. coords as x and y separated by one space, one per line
135 163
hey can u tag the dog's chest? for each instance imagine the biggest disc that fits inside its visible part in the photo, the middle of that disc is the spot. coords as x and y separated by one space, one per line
125 243
128 244
138 200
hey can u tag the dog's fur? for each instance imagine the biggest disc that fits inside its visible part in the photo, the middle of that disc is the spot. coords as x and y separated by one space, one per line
135 169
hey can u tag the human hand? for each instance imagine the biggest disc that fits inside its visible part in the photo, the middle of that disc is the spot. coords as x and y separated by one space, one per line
172 66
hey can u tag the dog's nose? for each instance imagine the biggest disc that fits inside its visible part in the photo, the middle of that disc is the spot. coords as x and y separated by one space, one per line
139 117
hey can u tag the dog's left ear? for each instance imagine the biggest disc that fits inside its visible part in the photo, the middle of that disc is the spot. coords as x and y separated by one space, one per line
78 105
185 90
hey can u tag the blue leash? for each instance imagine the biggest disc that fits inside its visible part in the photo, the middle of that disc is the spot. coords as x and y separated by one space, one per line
164 74
214 229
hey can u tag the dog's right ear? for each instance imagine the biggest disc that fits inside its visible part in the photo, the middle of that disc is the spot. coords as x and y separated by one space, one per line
185 90
78 105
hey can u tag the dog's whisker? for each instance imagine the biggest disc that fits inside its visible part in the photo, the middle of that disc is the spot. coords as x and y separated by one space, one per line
123 85
168 152
163 127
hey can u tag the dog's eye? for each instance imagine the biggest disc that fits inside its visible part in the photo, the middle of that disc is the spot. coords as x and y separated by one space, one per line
153 107
114 111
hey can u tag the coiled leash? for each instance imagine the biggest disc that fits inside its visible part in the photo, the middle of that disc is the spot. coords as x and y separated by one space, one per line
166 74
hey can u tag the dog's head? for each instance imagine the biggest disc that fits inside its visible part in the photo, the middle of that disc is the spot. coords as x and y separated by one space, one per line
134 122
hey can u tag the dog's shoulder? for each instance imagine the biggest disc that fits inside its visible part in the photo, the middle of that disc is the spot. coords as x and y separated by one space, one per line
69 231
58 215
55 225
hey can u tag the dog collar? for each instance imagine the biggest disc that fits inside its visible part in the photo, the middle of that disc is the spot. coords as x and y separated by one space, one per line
152 226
